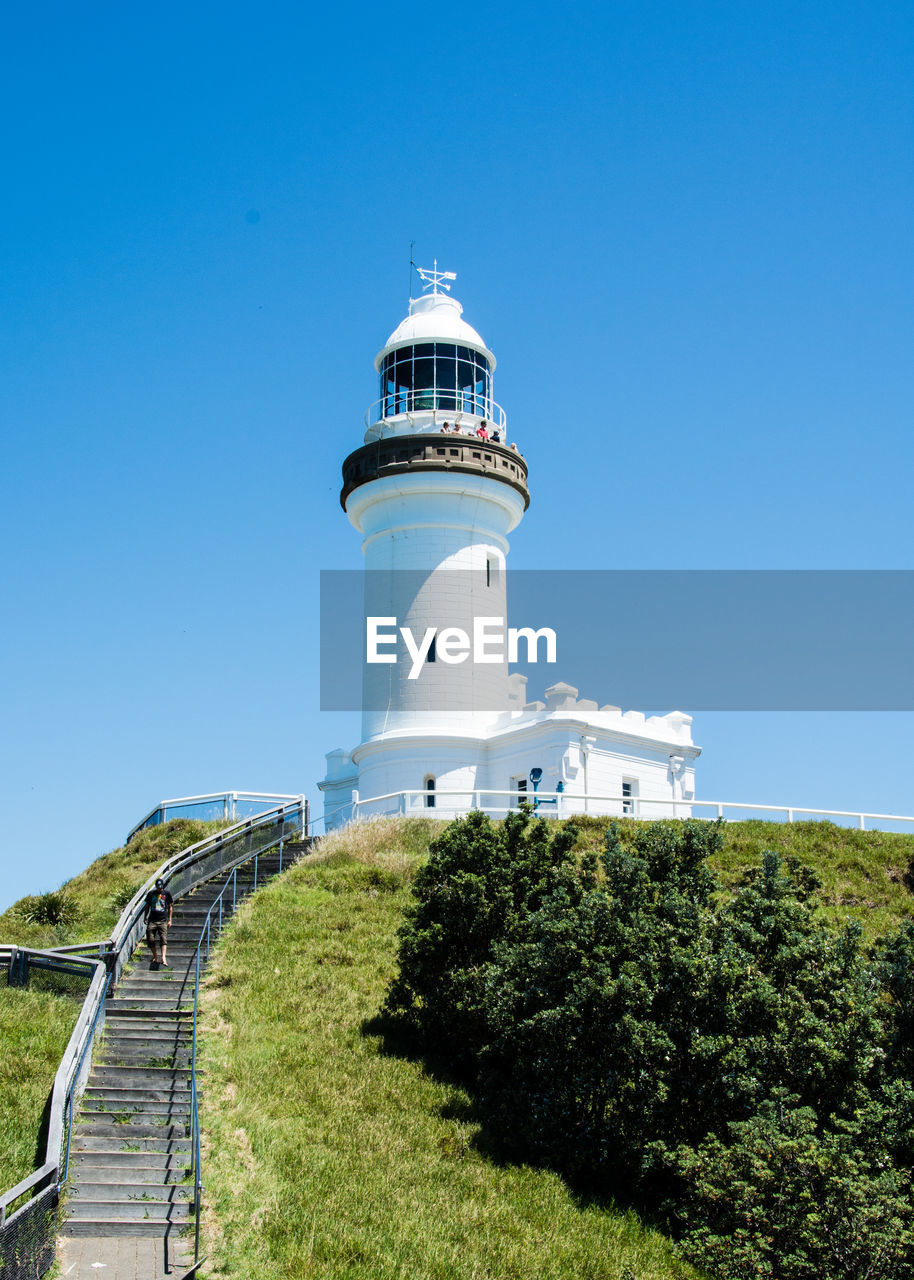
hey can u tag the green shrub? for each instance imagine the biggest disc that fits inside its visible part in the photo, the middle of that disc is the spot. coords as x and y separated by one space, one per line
478 881
734 1063
122 890
58 909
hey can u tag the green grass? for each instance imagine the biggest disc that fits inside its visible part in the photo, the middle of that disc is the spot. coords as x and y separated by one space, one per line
35 1024
34 1029
325 1157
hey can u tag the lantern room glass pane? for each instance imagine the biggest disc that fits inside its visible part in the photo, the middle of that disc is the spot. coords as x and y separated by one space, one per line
445 368
439 375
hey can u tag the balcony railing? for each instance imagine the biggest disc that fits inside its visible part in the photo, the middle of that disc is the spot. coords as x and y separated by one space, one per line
450 803
437 407
217 806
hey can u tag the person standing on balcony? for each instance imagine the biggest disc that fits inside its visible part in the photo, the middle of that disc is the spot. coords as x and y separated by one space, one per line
158 914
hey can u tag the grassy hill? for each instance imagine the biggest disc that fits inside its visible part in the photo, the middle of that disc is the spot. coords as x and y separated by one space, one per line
328 1158
35 1024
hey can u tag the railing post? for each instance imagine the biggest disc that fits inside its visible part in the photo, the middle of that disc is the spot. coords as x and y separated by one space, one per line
863 822
66 1155
790 815
720 811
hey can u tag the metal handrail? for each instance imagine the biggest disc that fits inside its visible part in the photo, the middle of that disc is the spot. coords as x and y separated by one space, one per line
428 401
234 797
206 938
66 1084
106 971
570 804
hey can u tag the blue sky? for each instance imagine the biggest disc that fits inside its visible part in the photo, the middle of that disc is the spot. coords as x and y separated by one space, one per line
684 229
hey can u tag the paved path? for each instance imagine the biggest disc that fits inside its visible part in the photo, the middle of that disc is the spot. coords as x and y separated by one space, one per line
126 1257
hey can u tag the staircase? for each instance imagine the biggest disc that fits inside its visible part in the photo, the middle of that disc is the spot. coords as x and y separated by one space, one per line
130 1148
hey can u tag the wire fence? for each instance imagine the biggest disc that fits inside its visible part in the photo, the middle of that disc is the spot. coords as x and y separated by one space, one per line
27 1237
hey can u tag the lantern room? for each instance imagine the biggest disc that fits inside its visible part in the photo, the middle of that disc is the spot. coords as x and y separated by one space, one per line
434 369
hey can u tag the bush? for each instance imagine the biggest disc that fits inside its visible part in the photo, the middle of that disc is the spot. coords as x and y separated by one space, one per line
478 882
58 909
122 890
739 1066
784 1197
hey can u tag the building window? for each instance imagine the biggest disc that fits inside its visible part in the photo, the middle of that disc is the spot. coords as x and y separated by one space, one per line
431 656
629 792
491 570
519 792
429 792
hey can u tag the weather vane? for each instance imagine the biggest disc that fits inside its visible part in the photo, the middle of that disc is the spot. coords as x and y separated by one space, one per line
432 279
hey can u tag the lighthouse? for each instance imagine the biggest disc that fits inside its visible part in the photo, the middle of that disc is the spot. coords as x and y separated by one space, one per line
434 489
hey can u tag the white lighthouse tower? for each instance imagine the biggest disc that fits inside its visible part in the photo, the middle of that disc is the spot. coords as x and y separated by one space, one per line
434 490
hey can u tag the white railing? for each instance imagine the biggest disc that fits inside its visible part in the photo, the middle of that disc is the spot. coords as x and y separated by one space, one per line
438 407
561 804
228 800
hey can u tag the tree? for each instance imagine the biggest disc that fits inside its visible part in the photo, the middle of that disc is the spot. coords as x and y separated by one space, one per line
479 881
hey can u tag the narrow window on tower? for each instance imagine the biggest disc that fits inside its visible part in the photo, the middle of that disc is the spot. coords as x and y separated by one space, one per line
491 570
430 656
519 788
429 792
629 792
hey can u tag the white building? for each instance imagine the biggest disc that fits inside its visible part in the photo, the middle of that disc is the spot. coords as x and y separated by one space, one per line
435 508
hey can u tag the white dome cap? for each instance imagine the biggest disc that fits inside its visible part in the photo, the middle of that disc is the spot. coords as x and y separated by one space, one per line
435 317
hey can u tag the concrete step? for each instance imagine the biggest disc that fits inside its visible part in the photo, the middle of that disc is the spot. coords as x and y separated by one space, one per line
130 1130
145 1150
91 1142
136 1019
130 1193
175 985
143 1165
144 1056
189 933
182 1004
129 1174
140 1113
82 1209
140 1077
77 1227
133 1023
244 883
157 1042
127 1097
